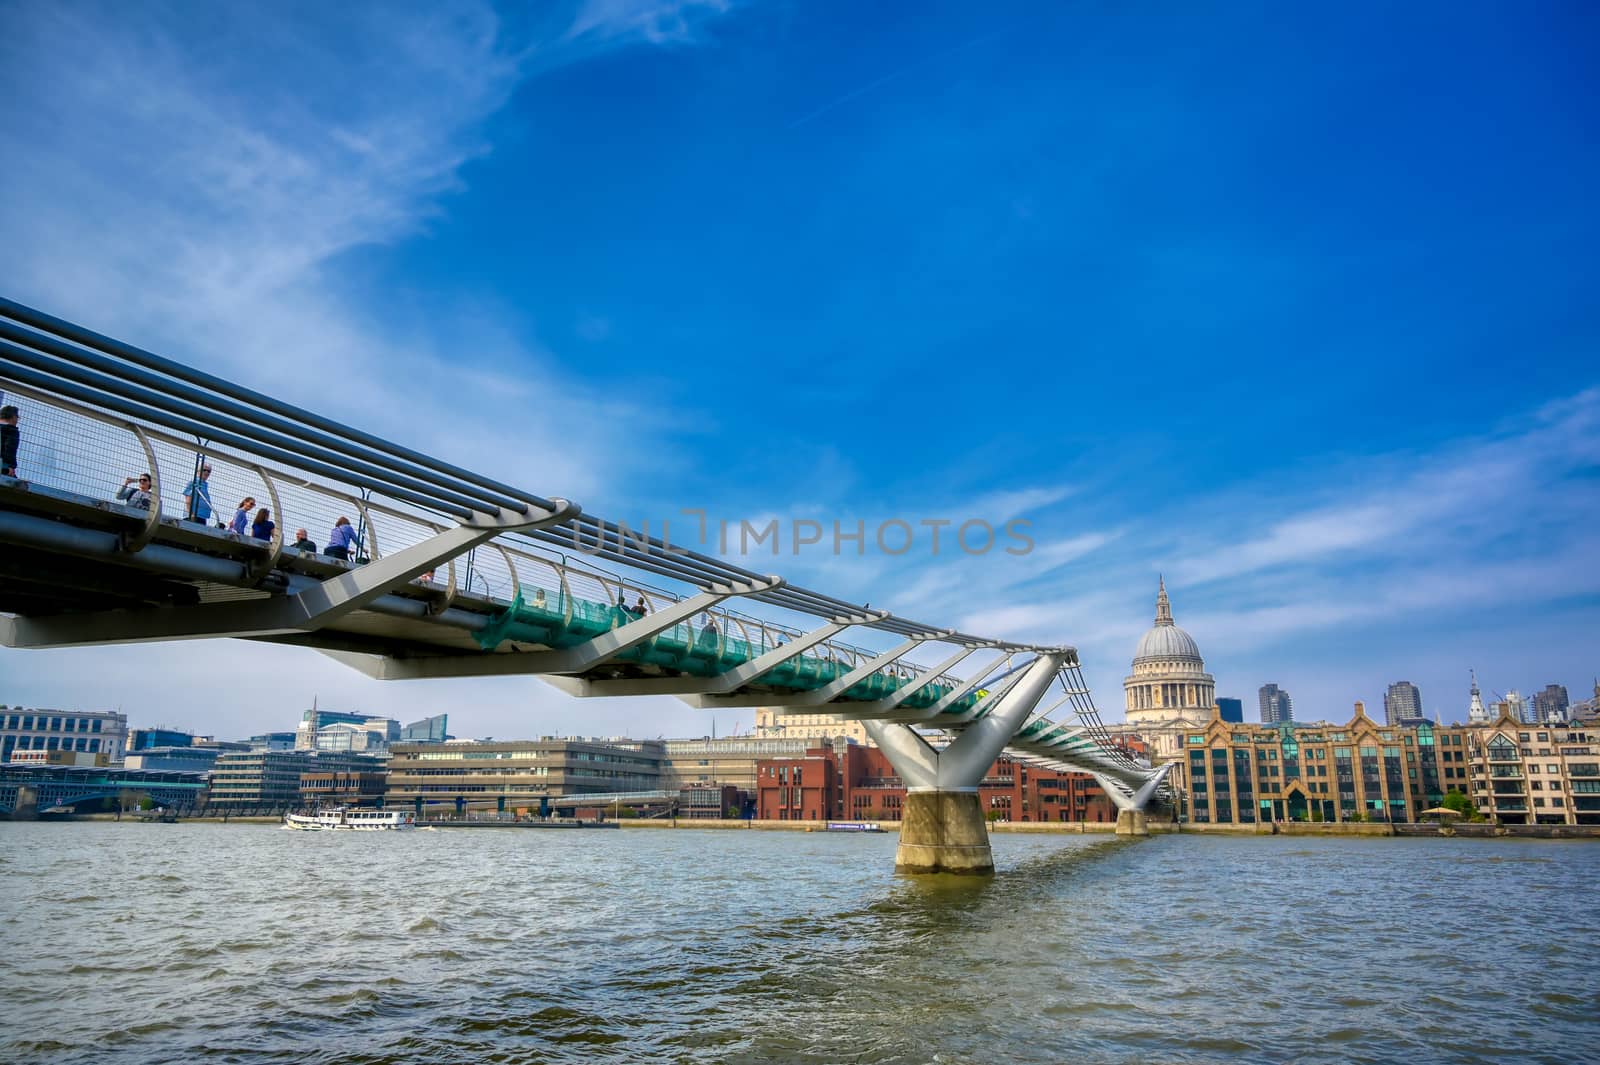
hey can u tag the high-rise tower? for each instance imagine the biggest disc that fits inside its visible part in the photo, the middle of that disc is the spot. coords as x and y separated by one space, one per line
1276 706
1402 704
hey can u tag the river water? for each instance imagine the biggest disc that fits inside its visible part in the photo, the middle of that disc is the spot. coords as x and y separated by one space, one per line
245 943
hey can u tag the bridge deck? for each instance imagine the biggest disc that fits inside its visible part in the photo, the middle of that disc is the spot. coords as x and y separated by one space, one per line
460 575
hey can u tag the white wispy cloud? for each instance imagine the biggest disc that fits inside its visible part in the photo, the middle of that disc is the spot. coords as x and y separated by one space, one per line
1393 554
197 181
655 21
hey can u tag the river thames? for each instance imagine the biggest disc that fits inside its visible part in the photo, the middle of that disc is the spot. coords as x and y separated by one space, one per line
245 943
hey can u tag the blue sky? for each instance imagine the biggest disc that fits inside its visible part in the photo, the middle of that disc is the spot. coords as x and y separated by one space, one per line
1293 303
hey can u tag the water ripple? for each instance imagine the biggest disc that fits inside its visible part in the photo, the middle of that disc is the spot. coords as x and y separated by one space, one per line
244 944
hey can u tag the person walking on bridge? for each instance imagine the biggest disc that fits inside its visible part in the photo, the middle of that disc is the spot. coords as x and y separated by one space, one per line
303 541
10 438
197 497
341 539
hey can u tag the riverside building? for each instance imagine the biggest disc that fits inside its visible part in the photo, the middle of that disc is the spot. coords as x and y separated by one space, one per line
83 732
848 782
1359 771
1538 774
728 759
263 781
516 775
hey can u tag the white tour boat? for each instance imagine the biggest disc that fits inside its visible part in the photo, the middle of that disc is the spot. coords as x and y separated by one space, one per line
340 819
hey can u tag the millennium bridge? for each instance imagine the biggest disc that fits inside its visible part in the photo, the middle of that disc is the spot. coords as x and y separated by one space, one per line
455 574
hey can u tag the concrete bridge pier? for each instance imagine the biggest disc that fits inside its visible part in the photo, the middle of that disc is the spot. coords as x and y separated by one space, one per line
1132 823
27 805
942 827
943 832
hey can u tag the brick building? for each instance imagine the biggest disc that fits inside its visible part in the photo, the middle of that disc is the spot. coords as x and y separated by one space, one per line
1297 771
850 782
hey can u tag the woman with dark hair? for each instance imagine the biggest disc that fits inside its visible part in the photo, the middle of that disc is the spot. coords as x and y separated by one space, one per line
262 527
340 540
135 492
241 516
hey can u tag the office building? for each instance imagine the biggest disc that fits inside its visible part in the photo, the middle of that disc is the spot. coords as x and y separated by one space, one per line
263 781
1231 709
1515 705
327 786
727 759
1402 704
271 741
514 775
314 722
173 759
140 739
1359 771
83 732
774 723
435 729
1551 705
1276 706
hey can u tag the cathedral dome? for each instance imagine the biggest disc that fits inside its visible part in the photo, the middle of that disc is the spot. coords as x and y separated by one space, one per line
1166 640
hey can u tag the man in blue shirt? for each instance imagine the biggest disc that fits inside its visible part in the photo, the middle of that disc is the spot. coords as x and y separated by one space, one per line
197 498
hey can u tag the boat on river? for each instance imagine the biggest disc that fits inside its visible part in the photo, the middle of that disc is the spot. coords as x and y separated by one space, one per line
344 819
854 826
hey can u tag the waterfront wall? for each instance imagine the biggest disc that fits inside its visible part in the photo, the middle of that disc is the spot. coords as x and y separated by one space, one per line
1467 831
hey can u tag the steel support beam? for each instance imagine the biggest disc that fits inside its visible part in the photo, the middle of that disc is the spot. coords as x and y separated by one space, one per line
727 681
961 765
1132 795
803 701
931 714
578 659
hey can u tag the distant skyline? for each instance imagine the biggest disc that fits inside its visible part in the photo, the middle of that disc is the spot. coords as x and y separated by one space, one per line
1157 284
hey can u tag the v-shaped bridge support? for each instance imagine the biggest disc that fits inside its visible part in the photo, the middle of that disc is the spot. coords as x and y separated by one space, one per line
943 829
